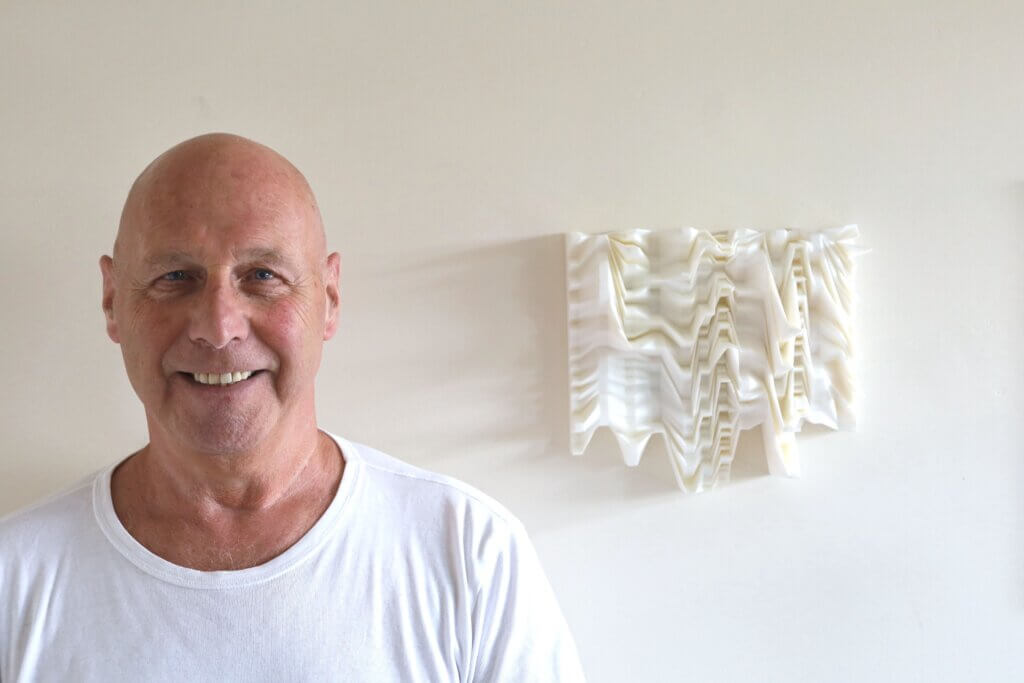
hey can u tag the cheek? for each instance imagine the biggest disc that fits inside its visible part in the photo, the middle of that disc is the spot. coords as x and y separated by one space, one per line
292 330
140 318
296 332
146 333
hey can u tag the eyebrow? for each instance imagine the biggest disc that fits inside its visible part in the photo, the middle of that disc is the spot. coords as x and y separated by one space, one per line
176 257
168 258
268 256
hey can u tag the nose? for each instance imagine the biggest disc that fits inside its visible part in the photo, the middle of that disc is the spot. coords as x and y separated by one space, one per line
219 315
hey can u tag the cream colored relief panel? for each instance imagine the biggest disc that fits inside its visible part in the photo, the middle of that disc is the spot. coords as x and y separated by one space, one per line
698 336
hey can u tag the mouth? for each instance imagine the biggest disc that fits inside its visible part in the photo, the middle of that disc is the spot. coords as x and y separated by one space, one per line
220 379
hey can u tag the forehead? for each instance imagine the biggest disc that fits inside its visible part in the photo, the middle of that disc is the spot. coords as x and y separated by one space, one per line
223 211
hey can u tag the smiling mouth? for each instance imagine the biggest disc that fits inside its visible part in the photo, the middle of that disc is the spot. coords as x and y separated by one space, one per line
220 379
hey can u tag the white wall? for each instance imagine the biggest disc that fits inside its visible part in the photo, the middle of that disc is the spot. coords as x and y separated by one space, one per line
450 144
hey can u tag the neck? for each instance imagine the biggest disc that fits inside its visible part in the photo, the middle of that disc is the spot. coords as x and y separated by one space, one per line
227 511
294 459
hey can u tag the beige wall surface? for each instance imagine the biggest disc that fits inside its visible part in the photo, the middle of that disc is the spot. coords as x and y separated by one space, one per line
451 144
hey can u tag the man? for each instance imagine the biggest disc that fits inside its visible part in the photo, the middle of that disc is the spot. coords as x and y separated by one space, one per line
242 542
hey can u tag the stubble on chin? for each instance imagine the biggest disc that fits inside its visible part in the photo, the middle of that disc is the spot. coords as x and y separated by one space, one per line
222 432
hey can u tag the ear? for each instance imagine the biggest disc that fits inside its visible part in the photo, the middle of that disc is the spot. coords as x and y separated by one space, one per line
332 270
109 289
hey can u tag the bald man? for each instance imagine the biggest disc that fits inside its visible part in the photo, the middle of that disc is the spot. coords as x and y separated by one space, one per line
242 542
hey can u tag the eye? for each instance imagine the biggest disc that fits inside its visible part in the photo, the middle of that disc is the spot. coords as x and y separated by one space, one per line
263 275
174 276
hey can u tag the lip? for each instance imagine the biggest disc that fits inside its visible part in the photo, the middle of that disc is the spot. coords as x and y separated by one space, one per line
235 386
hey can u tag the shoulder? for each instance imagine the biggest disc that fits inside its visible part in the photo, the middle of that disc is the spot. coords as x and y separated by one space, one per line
516 631
424 487
433 515
60 512
35 541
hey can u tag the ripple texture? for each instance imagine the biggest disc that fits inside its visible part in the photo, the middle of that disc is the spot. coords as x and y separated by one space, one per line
698 336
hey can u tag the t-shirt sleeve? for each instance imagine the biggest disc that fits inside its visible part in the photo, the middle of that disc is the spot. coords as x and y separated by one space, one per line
519 633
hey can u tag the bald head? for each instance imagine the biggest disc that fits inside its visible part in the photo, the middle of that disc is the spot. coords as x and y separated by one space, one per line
217 171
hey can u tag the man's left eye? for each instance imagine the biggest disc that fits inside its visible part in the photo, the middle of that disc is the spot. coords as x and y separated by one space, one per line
263 274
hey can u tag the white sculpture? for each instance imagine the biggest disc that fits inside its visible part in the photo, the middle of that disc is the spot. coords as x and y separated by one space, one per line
698 336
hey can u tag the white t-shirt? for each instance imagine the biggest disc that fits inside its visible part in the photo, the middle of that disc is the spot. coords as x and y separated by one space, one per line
408 576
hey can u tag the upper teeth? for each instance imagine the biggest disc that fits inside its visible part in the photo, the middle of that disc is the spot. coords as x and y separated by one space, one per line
220 378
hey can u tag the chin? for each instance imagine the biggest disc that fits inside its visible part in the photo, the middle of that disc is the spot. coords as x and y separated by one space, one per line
224 434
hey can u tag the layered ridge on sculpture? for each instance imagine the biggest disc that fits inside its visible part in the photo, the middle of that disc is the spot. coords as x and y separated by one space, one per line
699 336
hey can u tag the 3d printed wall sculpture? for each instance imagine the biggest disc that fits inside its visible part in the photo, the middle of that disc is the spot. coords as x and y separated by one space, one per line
698 336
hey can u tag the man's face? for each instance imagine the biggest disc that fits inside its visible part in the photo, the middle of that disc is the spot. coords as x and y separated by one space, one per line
221 269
